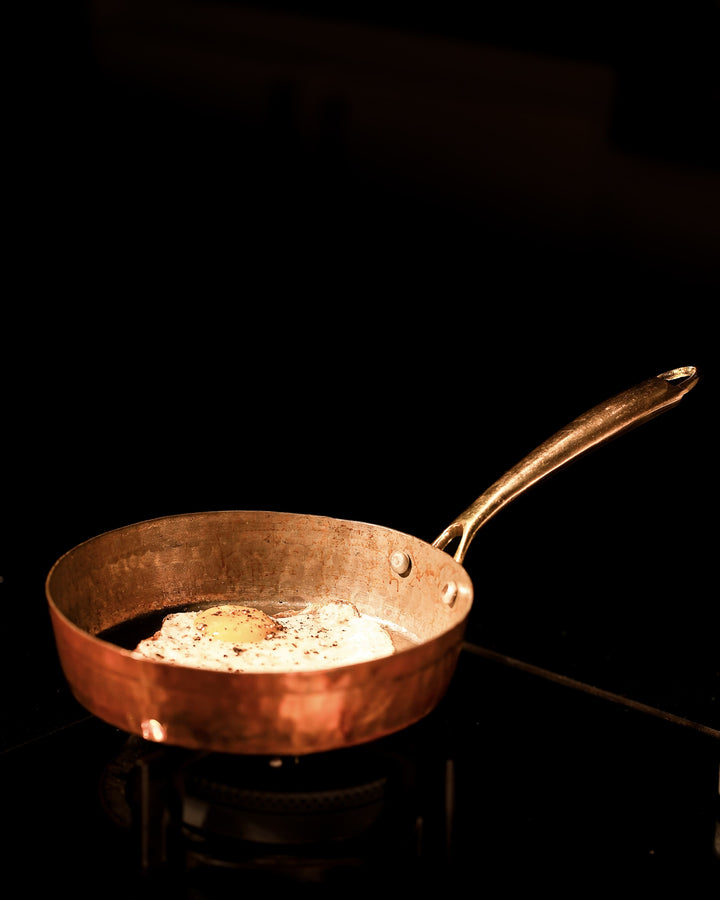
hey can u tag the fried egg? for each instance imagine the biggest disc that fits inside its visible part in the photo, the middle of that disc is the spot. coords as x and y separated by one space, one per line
235 638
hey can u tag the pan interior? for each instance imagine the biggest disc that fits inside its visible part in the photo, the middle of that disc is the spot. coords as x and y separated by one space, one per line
128 635
120 585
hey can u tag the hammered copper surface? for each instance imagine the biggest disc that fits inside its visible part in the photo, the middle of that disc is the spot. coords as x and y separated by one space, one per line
258 558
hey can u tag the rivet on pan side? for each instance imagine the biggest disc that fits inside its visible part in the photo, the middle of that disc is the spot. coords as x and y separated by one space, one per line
449 594
400 563
152 730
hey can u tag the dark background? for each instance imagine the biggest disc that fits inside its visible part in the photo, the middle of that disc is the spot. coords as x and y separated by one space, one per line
360 273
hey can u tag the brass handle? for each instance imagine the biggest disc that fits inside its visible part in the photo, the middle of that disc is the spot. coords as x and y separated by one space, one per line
598 425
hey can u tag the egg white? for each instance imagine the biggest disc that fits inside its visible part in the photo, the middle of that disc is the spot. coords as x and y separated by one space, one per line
319 637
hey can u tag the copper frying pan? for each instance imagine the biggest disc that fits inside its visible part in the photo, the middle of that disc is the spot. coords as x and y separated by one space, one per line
264 559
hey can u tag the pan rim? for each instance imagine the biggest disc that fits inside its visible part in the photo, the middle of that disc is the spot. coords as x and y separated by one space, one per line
302 678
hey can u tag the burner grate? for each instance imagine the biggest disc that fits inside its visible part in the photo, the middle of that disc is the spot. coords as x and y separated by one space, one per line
336 817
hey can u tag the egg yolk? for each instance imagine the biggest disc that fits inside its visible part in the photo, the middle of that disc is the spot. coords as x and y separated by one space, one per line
238 625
